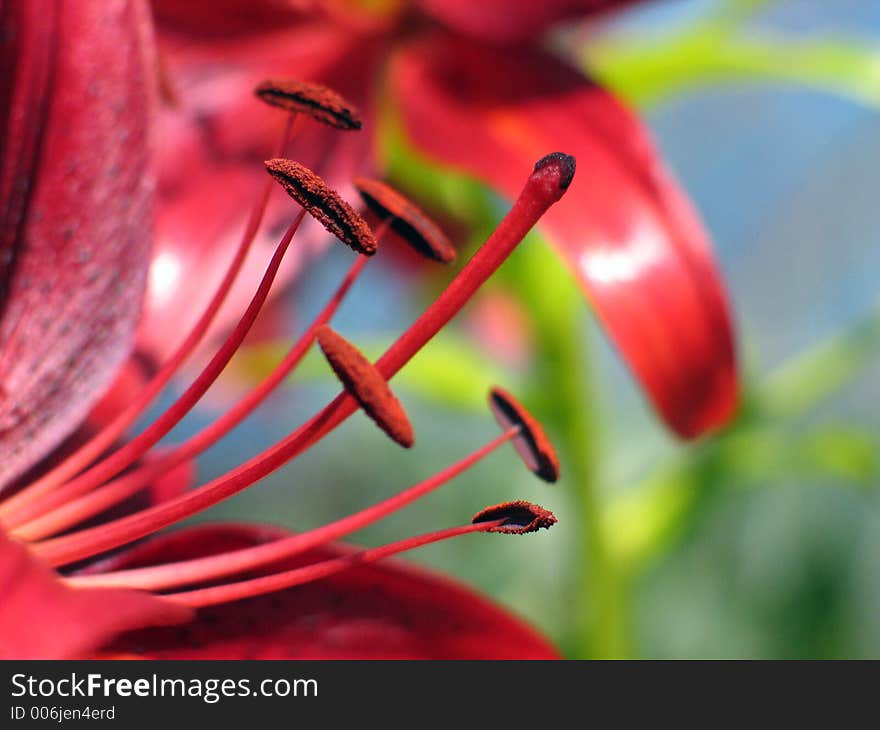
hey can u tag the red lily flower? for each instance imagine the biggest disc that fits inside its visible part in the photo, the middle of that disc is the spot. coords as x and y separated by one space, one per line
77 190
477 90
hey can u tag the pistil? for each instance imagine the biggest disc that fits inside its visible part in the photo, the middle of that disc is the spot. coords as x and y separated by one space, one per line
546 185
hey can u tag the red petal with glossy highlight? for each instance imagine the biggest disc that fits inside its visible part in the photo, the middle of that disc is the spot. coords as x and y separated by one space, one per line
76 202
624 228
509 21
41 618
383 611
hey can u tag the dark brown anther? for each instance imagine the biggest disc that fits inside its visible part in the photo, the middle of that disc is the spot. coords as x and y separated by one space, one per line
532 443
324 204
317 101
519 517
564 165
407 219
366 385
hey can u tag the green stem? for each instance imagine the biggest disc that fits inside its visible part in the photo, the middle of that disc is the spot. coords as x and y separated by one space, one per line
598 591
601 618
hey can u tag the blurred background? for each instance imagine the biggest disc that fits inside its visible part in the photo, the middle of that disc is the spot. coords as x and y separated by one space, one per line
761 541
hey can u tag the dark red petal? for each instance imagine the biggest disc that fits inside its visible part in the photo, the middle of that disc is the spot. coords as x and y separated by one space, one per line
387 610
624 227
225 17
213 142
41 618
76 192
200 20
509 21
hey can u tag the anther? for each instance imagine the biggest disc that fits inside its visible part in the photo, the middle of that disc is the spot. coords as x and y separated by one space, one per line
323 204
562 164
532 443
408 220
368 387
317 101
518 517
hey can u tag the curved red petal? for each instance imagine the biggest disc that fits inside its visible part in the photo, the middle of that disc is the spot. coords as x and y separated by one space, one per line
509 21
219 18
624 228
76 191
41 618
214 138
384 611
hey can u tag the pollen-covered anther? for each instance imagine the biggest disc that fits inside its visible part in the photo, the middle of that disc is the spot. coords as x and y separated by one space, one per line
319 102
560 164
366 385
532 444
324 204
409 221
519 517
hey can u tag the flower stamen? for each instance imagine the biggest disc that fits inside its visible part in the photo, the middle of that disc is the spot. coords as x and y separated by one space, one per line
532 444
113 492
517 518
323 203
408 220
189 572
319 102
366 385
545 186
140 444
507 521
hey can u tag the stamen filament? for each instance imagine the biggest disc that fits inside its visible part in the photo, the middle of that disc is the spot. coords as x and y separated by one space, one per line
317 571
101 441
544 187
113 492
189 572
140 444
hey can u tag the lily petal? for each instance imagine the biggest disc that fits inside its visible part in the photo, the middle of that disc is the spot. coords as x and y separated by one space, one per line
509 21
228 17
624 228
72 623
76 190
387 610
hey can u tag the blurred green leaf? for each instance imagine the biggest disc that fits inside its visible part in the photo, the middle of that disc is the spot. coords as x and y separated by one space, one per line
843 454
647 70
640 521
808 379
846 452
